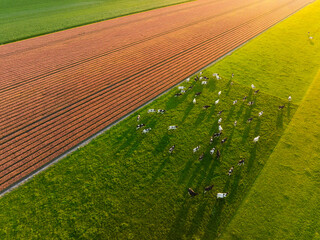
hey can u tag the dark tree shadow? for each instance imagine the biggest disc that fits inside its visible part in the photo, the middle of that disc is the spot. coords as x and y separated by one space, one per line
159 170
200 117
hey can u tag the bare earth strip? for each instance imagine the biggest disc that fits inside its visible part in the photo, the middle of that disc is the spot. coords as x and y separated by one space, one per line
58 90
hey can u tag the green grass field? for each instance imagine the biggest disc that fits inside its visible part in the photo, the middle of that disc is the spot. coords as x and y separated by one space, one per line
125 185
21 19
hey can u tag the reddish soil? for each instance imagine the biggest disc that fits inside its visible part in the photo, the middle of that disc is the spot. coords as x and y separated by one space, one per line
59 89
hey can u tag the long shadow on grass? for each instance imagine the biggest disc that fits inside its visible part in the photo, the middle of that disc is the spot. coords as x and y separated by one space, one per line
173 102
197 220
162 144
178 227
159 170
253 155
187 112
211 230
200 117
185 171
280 120
246 133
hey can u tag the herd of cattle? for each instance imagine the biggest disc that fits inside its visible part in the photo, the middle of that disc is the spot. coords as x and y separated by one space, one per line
204 81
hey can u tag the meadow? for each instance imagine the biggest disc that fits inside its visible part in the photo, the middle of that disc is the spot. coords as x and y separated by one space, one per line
125 184
21 19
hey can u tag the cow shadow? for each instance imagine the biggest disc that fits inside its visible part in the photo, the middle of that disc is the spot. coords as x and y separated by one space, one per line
253 155
289 110
173 102
159 170
187 112
200 117
280 120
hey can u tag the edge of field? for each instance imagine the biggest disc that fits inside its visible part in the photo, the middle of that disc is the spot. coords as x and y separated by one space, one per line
94 21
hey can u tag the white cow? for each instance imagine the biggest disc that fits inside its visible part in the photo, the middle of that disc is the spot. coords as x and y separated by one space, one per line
220 128
252 86
216 102
212 151
196 149
234 102
146 130
256 139
172 127
260 113
222 195
204 82
220 120
194 101
181 87
289 98
151 110
219 93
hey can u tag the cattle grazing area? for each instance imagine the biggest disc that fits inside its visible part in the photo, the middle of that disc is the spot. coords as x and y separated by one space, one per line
202 170
132 186
21 19
60 89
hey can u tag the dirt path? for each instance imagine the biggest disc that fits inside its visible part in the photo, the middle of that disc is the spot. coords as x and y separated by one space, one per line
59 89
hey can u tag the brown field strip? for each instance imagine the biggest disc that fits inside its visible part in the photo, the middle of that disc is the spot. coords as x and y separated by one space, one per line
59 89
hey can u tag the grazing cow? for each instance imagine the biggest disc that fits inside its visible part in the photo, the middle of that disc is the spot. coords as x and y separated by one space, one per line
241 162
232 75
256 139
196 149
218 77
281 107
219 113
217 134
211 140
190 87
220 120
201 156
223 140
162 111
171 149
260 113
178 94
181 87
252 86
188 79
192 193
218 154
220 128
234 102
197 94
140 126
212 151
200 73
255 92
231 83
250 103
138 118
206 107
245 98
219 93
196 78
222 195
146 130
235 123
230 171
194 101
173 127
200 78
204 83
215 74
207 189
151 111
183 91
216 102
289 98
249 120
309 36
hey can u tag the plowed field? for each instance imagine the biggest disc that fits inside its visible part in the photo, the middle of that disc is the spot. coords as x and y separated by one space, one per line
59 89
